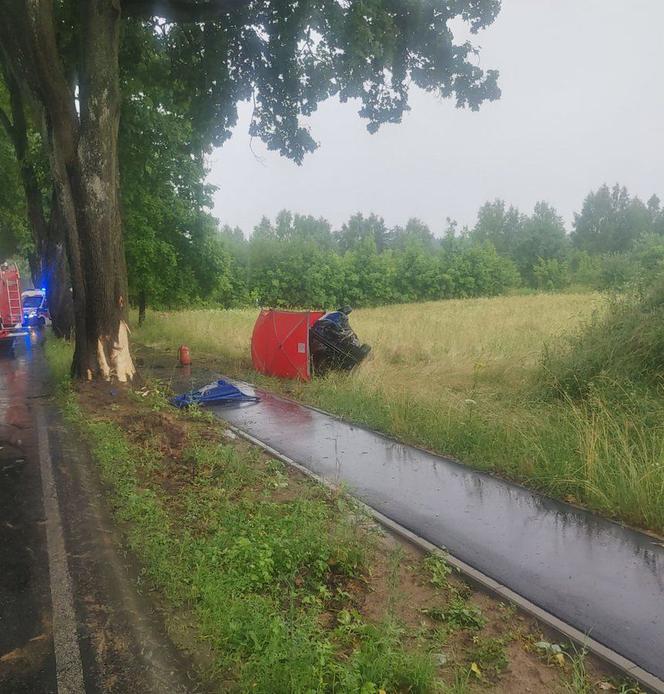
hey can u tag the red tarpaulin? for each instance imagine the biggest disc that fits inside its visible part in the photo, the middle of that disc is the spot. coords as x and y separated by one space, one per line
280 343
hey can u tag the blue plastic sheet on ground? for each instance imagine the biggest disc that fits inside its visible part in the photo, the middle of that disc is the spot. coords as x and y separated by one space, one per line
218 393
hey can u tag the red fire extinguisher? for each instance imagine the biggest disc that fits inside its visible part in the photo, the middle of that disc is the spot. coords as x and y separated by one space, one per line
184 356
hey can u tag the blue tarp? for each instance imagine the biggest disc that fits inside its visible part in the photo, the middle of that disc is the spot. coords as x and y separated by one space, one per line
219 393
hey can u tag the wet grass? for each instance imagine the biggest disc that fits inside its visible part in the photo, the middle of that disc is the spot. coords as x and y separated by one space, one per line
461 378
280 573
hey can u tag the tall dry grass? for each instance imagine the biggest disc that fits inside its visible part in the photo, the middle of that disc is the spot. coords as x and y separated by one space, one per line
223 335
426 348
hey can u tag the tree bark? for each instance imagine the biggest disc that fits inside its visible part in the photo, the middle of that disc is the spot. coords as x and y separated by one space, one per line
34 263
60 304
56 275
84 163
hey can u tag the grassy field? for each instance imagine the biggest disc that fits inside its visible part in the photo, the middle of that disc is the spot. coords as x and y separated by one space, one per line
429 347
282 585
459 377
436 351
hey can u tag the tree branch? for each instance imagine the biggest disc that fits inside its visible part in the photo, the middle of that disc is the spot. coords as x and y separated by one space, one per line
20 126
180 10
6 123
29 44
4 118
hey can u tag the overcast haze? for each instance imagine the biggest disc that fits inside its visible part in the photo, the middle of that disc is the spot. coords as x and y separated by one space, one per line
582 103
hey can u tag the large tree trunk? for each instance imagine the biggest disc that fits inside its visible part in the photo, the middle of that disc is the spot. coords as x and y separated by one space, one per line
95 189
36 270
84 162
56 275
60 303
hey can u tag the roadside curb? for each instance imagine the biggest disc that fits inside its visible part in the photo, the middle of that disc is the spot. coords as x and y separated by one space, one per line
66 647
607 655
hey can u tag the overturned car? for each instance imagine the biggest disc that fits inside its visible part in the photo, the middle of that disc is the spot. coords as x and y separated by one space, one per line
334 344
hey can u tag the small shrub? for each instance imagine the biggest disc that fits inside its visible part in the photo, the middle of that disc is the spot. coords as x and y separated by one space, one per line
551 274
438 570
462 615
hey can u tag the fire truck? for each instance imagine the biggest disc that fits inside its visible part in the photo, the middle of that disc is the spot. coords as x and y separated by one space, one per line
11 308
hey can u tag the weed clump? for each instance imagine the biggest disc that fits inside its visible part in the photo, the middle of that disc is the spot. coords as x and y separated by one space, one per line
462 615
489 654
438 570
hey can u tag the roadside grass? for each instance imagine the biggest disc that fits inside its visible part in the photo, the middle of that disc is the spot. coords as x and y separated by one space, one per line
59 354
462 378
260 573
291 588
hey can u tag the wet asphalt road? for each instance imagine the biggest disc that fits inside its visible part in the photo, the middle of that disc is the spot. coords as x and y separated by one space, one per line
27 662
602 578
73 617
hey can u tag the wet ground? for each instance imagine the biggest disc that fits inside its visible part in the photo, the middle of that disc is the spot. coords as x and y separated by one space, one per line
604 579
27 662
72 615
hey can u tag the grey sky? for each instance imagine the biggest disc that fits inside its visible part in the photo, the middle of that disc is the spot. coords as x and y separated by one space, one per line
582 104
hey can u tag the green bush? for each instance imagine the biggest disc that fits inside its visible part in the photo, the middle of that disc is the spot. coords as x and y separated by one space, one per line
584 268
551 275
618 271
623 346
476 271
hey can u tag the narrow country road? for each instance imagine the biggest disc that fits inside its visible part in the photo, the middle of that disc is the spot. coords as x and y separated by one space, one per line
71 617
605 580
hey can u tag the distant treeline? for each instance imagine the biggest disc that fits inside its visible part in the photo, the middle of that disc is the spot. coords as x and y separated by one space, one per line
299 260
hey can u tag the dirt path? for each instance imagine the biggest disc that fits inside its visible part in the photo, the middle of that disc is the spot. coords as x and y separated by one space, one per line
72 617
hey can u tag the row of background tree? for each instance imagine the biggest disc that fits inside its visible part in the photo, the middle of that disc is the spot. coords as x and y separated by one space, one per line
178 255
299 260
